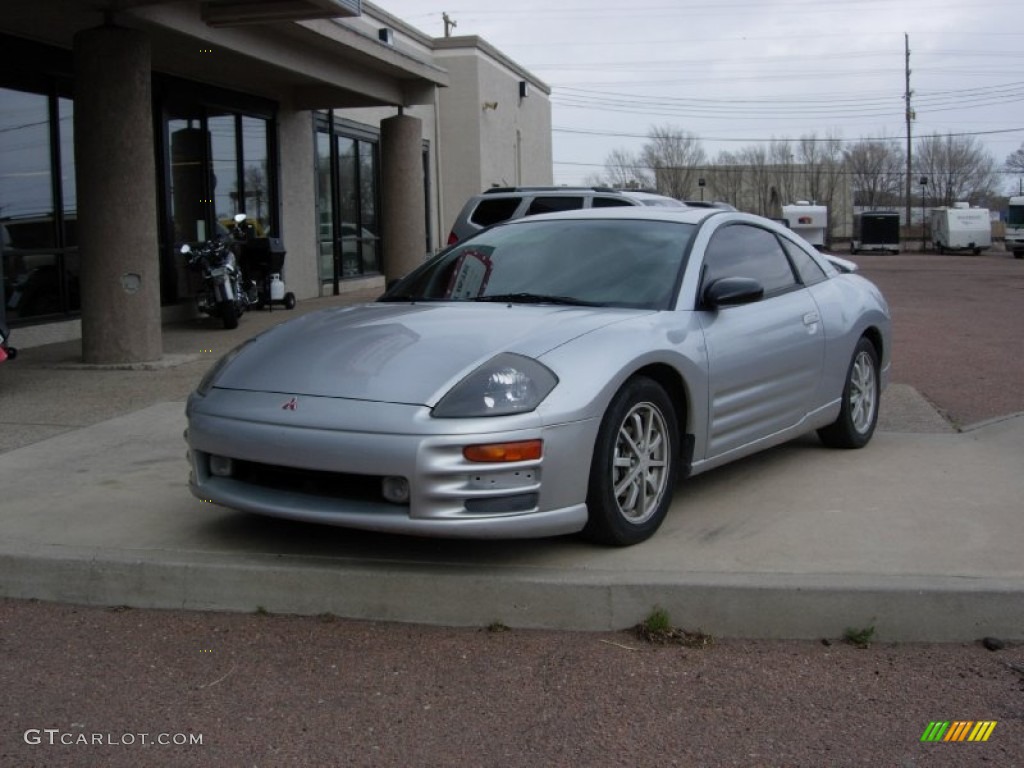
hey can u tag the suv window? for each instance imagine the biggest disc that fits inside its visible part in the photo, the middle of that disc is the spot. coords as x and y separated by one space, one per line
494 210
740 250
608 202
555 204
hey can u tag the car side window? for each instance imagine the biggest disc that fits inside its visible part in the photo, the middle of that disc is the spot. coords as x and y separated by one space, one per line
555 204
608 202
807 268
494 210
740 250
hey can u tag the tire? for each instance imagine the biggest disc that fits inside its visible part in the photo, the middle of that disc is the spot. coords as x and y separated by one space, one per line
229 314
1018 254
634 467
289 300
858 415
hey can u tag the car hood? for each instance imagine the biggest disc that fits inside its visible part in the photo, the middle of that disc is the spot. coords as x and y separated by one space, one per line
401 353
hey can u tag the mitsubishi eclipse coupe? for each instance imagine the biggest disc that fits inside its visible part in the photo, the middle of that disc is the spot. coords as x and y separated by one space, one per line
551 375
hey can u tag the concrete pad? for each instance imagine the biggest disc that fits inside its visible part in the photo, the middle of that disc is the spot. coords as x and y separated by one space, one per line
917 535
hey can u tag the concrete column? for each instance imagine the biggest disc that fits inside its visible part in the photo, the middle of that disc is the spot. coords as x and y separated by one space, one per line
403 229
116 175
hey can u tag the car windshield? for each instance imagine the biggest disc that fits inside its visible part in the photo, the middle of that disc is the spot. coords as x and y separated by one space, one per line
586 262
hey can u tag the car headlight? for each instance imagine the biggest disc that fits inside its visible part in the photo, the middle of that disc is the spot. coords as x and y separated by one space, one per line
504 385
206 383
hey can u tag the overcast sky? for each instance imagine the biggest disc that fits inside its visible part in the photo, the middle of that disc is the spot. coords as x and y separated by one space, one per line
736 72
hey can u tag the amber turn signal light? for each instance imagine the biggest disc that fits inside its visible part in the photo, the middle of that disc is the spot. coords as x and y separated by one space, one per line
525 450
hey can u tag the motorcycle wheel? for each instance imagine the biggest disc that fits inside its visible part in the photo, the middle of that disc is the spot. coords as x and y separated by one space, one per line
229 314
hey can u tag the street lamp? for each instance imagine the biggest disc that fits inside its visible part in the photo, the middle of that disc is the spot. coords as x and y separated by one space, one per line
924 186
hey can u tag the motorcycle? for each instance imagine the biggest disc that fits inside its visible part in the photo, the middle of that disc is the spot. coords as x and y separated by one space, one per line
225 293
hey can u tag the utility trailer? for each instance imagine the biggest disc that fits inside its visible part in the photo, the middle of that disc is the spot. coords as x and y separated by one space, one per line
876 231
1015 227
807 220
961 228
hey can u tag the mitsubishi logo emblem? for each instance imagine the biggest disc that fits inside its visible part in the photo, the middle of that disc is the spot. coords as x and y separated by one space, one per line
291 405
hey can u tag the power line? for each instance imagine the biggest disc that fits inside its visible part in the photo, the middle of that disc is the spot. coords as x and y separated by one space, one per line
614 134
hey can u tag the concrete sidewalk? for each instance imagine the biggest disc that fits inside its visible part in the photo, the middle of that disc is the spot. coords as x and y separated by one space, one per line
918 535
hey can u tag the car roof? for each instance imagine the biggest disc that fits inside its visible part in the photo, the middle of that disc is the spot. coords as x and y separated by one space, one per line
634 212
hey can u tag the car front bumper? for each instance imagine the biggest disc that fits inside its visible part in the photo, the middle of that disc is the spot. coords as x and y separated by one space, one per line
327 460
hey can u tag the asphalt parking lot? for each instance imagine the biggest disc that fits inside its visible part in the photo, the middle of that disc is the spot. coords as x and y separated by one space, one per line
292 690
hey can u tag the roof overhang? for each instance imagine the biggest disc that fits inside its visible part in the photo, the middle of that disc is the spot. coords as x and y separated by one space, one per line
227 13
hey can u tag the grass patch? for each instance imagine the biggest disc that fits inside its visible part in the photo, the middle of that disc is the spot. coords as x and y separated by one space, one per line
859 638
657 628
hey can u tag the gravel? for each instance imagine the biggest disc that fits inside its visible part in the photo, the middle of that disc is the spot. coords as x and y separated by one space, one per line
264 690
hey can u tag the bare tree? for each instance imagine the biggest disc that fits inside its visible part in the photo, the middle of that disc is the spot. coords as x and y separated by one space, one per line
1015 160
623 170
761 181
958 168
727 179
877 172
784 172
676 158
821 160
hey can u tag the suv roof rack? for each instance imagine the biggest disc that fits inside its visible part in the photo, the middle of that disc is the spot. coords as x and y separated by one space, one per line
500 190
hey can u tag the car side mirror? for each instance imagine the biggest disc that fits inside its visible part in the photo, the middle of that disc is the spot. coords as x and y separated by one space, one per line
732 291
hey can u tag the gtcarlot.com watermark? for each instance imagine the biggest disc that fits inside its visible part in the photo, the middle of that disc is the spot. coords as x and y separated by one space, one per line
58 737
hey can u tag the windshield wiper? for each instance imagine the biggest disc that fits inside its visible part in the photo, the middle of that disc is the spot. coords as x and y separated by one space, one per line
538 298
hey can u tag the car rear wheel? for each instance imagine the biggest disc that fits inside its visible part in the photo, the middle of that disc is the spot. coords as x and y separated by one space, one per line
859 412
634 467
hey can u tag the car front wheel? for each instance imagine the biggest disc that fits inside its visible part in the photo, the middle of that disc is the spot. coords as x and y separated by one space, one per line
634 467
859 412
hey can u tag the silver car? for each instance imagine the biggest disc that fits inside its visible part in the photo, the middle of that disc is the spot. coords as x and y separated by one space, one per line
555 374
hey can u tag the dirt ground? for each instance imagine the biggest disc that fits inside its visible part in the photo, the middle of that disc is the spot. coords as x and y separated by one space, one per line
958 329
101 687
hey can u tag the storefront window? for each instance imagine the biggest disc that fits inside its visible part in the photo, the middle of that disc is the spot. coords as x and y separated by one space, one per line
36 278
187 152
348 192
325 206
368 206
224 170
255 175
216 165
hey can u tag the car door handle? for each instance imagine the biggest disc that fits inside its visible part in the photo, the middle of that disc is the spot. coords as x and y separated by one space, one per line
811 318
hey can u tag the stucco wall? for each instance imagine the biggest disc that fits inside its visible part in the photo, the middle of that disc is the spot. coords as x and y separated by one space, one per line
298 201
490 136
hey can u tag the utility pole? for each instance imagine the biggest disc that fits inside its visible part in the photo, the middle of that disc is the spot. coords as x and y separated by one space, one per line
448 24
910 118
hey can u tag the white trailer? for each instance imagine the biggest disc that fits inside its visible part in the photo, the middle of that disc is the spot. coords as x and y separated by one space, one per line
961 228
1015 227
807 220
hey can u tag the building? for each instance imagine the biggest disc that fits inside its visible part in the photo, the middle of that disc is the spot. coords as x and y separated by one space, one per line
130 126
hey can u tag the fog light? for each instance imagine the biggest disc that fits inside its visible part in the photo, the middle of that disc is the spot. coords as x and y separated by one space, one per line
395 489
221 466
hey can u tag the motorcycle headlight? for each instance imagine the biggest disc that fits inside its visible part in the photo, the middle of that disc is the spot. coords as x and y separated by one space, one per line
504 385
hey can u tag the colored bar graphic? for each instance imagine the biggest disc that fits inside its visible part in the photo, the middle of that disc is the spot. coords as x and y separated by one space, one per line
935 731
982 730
958 730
